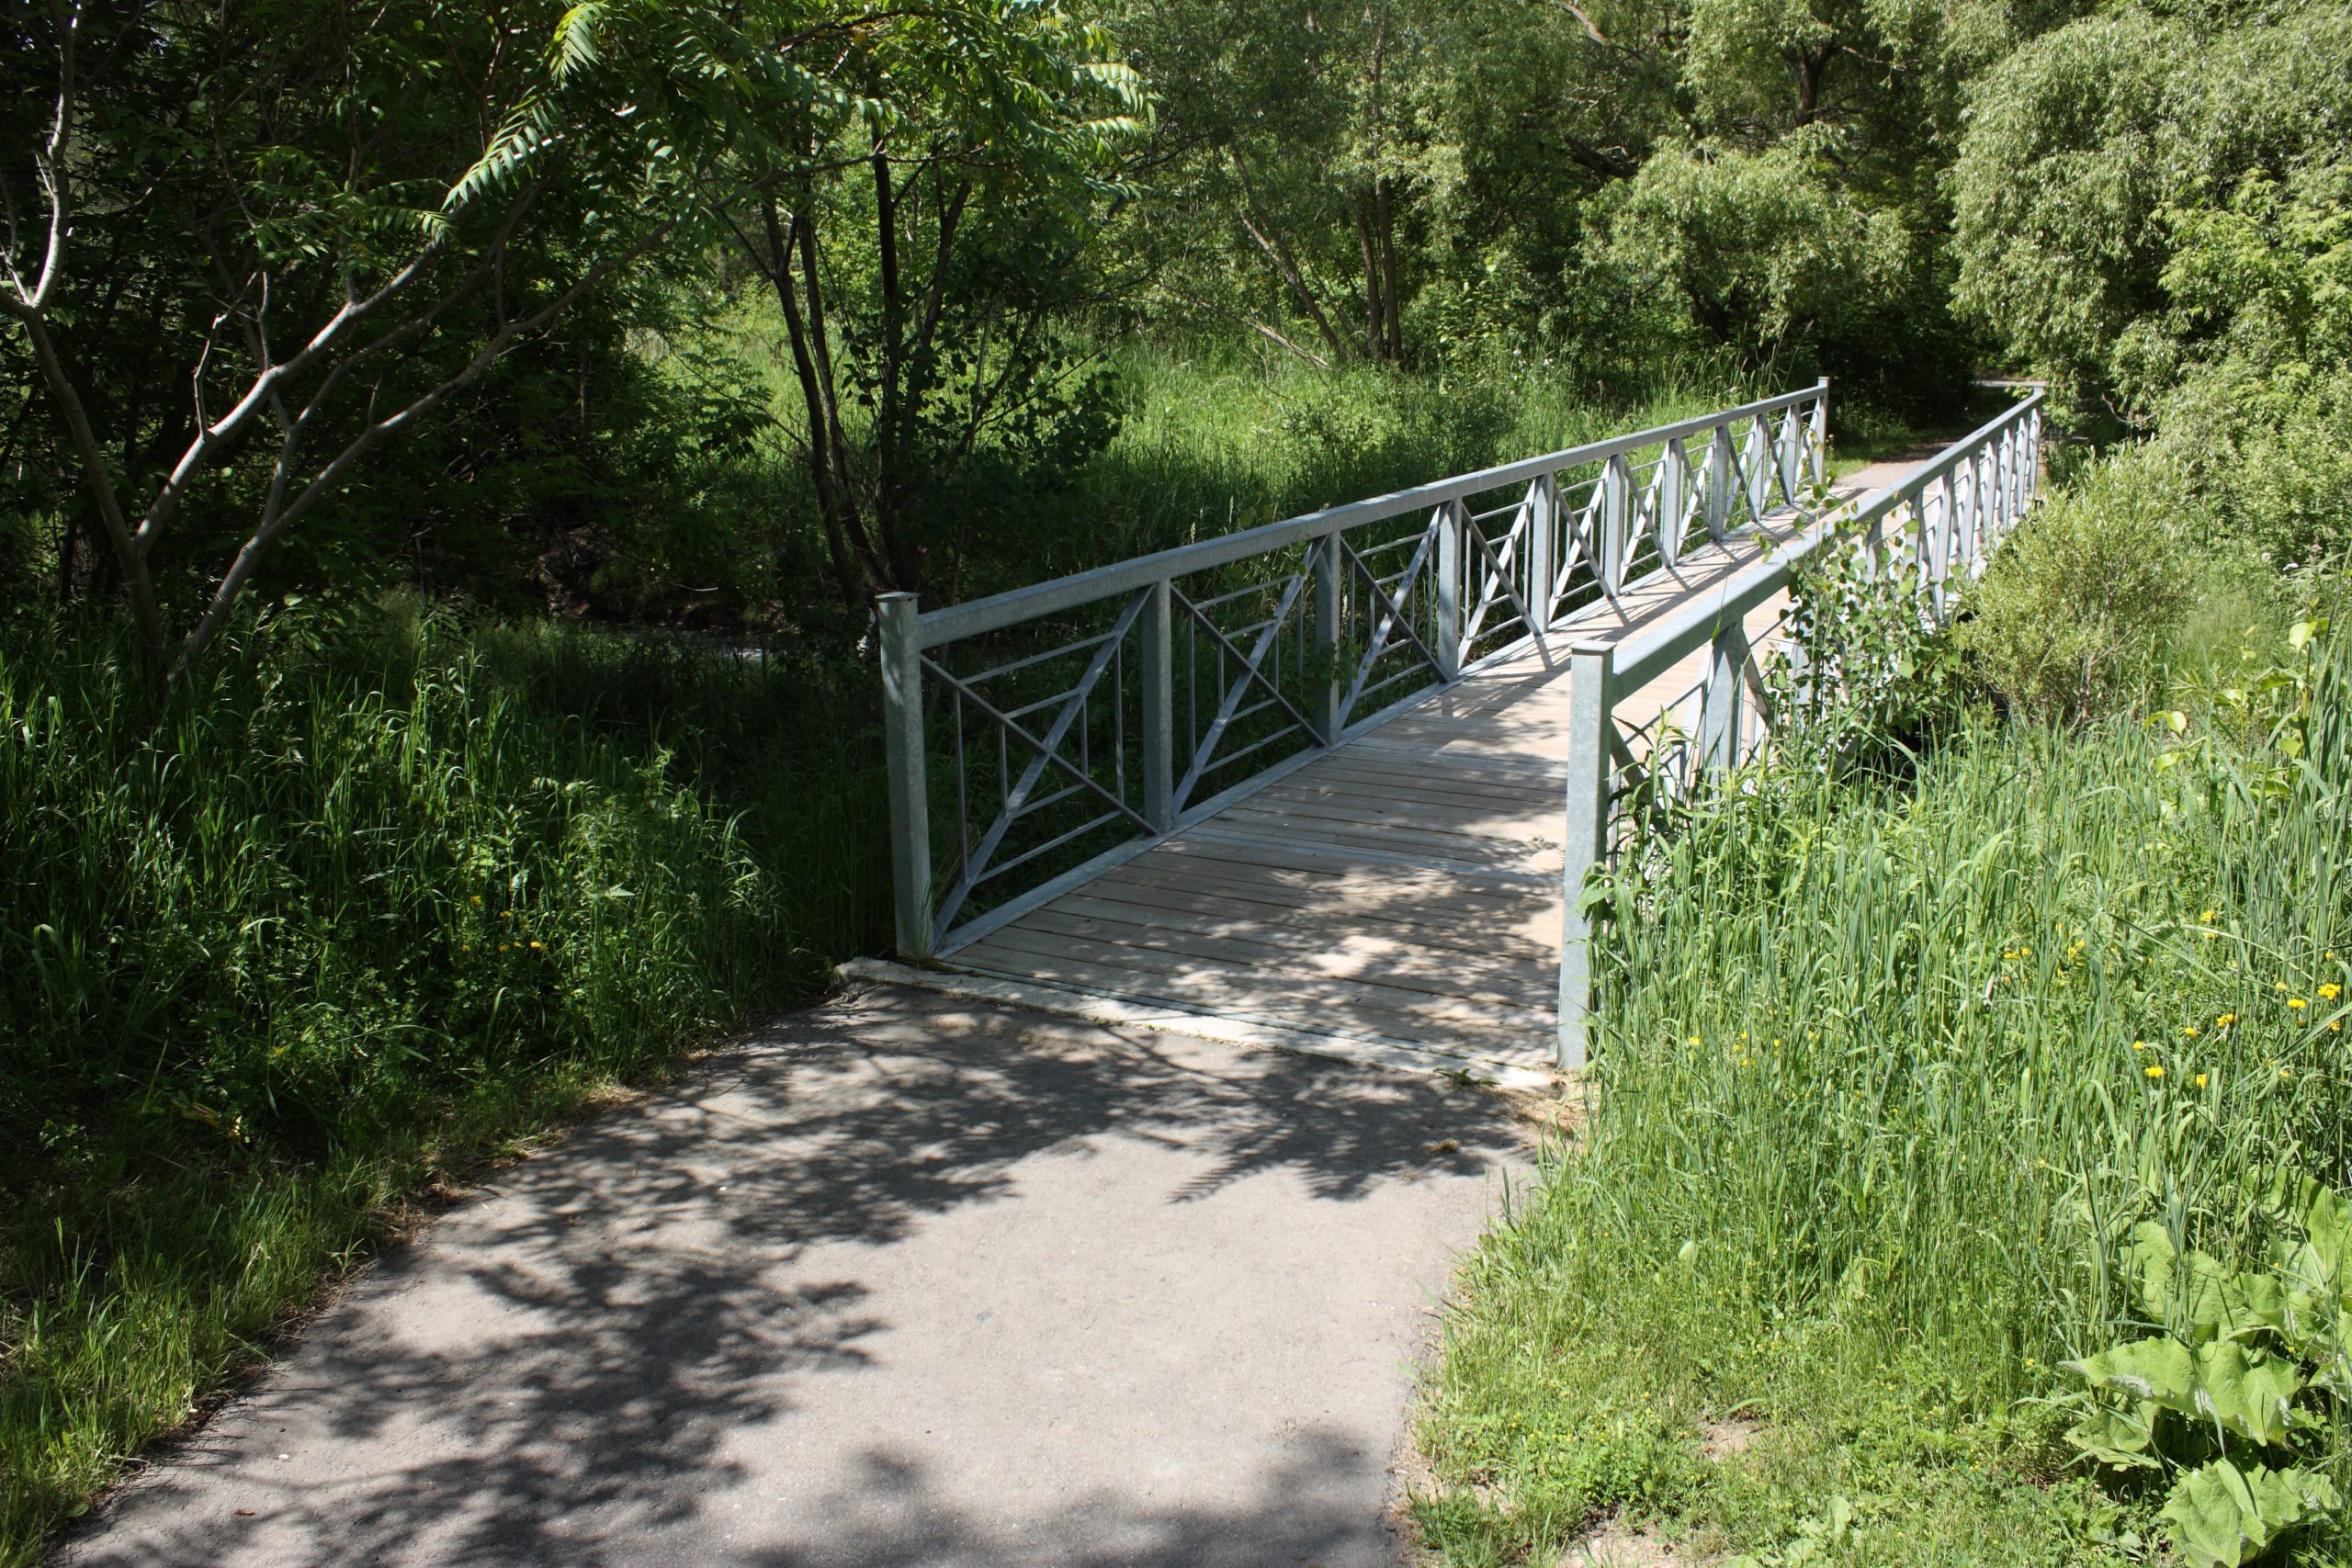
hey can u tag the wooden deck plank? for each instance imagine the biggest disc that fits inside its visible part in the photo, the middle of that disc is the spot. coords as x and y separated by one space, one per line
1354 956
1420 944
1367 1005
1492 928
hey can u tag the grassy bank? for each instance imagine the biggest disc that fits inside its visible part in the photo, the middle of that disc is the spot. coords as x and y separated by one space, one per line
329 923
382 891
1890 1072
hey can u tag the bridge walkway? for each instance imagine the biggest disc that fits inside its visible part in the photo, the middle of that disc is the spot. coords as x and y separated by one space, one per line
1403 890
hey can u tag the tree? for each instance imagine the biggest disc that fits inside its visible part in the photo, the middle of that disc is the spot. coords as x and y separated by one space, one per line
305 227
923 238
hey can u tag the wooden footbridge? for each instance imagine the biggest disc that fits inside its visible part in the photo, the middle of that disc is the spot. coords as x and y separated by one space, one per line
1339 780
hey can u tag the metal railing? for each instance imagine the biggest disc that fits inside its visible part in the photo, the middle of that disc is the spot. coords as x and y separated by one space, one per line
1942 518
1039 736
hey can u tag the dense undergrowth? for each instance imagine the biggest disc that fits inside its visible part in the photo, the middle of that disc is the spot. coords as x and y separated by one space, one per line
1892 1068
381 889
335 918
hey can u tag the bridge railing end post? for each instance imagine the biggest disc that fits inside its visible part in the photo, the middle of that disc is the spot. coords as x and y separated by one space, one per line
1155 631
1330 693
1449 521
1592 705
899 623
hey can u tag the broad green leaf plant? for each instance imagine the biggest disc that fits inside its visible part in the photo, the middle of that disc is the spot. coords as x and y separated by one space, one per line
2233 1398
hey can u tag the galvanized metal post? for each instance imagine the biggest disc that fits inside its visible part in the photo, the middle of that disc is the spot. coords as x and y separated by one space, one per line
1585 840
1155 632
1673 498
1821 433
1719 483
1323 561
1616 503
1542 549
1759 468
1720 710
898 622
1449 522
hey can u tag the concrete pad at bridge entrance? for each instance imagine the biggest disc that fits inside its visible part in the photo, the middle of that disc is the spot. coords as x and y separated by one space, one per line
907 1280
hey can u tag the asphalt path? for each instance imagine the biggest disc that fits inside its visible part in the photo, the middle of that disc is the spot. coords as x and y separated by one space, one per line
904 1280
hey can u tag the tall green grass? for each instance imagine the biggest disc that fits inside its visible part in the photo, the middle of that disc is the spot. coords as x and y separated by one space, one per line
334 919
365 900
1888 1072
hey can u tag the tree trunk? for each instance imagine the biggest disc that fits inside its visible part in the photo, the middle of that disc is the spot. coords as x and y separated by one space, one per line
855 572
1385 215
1375 337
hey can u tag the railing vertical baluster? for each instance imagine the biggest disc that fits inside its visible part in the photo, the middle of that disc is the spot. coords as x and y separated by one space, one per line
1616 503
1449 522
1330 692
1673 498
1719 482
1792 454
1543 552
1585 839
1718 711
1157 631
897 616
1821 433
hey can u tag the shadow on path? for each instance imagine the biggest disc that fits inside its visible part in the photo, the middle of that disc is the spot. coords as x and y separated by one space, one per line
902 1280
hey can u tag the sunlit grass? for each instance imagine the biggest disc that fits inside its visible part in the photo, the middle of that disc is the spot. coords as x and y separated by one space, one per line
1888 1072
369 899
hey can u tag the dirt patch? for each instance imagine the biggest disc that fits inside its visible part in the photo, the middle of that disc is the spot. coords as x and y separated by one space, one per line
1727 1439
1615 1543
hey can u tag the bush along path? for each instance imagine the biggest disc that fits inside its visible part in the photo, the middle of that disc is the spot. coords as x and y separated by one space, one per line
1969 1143
326 926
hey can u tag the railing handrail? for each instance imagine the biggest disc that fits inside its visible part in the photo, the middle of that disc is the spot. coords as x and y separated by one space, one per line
1603 668
954 623
1656 646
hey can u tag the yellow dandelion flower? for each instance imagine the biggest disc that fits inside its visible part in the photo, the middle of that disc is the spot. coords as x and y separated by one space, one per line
2139 1045
2190 1031
1694 1040
475 899
2297 1003
505 914
2225 1019
2285 1074
2154 1069
2200 1080
2330 991
2209 916
538 947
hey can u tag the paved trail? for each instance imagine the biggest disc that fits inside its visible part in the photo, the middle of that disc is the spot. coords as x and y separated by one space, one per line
906 1280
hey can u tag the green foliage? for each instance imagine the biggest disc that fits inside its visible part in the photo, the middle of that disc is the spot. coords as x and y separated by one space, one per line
2250 1365
1891 1070
2150 193
335 916
2075 615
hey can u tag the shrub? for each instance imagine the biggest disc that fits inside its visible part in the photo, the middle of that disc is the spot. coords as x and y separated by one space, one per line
2073 619
335 916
